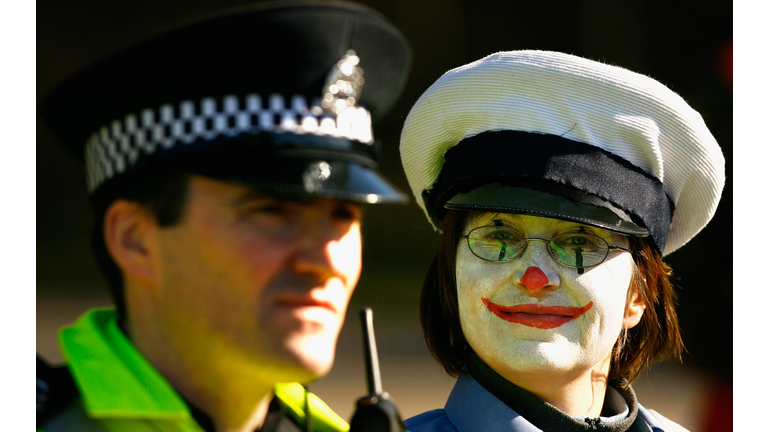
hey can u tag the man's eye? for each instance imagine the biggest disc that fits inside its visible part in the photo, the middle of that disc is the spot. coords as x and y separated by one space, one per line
272 209
346 213
265 209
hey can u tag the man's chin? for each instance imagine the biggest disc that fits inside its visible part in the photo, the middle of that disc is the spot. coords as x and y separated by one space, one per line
310 356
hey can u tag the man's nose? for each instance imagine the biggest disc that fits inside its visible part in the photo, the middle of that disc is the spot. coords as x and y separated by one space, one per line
314 254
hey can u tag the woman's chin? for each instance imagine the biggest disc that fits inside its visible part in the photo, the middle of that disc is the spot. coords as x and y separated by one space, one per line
534 357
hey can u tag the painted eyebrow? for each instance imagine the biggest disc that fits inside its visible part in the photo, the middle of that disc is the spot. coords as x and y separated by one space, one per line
575 228
564 225
604 234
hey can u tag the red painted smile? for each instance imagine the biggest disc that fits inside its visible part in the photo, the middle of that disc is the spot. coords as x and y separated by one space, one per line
538 316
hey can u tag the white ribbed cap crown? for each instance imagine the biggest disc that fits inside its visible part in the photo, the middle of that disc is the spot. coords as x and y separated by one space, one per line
622 112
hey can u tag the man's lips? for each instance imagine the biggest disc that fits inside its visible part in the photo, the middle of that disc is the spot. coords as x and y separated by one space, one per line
538 316
305 302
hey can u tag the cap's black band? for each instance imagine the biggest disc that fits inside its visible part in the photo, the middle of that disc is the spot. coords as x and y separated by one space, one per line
288 144
527 159
552 201
119 146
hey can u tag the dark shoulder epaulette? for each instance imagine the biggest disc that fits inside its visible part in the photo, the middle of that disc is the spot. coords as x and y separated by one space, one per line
55 390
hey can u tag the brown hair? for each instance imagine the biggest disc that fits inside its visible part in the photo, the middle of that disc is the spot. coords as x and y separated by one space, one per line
655 337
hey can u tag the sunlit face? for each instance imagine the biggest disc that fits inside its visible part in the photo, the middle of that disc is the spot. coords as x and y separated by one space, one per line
532 314
249 280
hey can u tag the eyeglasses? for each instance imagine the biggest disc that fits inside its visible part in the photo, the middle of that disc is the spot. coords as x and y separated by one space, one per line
574 249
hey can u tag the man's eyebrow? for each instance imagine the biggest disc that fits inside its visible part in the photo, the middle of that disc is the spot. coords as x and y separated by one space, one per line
252 194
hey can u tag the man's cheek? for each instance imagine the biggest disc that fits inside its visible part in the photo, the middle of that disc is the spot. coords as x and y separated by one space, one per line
346 255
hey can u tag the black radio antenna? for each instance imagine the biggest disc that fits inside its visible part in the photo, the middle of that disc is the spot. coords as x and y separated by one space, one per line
375 412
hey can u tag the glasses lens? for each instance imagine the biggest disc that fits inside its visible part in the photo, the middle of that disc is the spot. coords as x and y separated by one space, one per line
496 243
578 249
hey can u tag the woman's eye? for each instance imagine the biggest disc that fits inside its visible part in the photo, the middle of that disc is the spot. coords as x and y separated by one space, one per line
578 240
583 243
499 235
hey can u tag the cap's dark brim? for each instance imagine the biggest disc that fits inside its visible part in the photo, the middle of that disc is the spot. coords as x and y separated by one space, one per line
520 200
309 177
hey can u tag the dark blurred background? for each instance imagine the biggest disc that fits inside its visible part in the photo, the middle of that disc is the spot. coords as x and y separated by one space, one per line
686 46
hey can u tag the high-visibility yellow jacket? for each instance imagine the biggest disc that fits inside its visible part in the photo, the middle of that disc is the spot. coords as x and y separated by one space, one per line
120 391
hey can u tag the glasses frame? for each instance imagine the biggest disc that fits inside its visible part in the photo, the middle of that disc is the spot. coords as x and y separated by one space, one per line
549 250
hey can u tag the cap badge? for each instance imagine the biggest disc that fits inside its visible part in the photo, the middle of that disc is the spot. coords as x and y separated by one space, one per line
315 176
344 84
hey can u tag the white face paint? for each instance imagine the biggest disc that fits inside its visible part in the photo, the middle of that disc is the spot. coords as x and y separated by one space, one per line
536 337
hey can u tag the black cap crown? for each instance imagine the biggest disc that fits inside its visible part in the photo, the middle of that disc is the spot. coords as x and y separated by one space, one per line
280 95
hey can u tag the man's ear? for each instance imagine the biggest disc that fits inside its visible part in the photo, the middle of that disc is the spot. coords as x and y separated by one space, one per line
634 310
129 235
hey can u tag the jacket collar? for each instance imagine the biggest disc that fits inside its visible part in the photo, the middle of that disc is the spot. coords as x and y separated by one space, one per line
114 379
483 400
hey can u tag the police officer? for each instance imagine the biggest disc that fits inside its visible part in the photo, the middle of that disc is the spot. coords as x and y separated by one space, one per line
227 162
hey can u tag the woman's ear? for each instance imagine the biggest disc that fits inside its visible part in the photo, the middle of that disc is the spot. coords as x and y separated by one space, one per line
129 232
634 309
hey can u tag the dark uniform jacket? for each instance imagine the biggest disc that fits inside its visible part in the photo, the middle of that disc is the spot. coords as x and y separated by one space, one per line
482 400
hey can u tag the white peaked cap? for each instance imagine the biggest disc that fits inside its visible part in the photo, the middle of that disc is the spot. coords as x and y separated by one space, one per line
624 113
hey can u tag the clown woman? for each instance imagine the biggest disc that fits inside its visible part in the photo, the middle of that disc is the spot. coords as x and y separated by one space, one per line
558 184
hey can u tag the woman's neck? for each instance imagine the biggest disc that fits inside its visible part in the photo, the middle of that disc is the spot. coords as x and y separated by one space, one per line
579 393
562 414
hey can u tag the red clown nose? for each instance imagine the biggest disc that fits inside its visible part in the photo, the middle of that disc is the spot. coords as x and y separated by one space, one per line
534 279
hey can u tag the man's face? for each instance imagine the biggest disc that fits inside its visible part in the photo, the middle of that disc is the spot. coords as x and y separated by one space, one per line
534 315
247 280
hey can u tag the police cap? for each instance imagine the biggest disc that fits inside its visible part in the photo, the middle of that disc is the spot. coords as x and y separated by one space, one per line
556 135
277 95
